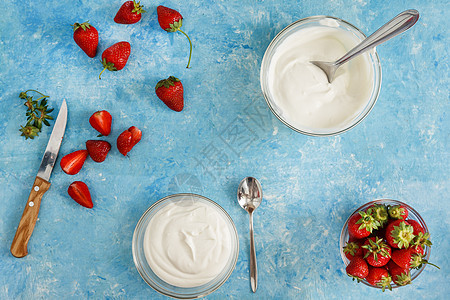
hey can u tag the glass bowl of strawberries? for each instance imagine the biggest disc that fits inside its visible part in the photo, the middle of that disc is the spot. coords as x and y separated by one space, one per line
385 244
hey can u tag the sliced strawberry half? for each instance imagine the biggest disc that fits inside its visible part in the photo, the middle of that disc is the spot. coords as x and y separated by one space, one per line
73 162
101 121
79 191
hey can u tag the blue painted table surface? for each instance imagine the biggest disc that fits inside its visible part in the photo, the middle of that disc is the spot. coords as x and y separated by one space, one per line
225 132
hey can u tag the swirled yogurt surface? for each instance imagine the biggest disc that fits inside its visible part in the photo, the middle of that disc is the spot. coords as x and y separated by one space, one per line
188 243
300 90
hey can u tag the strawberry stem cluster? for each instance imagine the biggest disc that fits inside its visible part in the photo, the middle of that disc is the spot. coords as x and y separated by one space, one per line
391 246
37 114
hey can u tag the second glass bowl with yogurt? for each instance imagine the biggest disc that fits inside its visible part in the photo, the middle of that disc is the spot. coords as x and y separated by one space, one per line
185 246
298 92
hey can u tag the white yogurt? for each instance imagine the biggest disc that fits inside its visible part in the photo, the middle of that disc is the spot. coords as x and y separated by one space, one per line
187 244
300 90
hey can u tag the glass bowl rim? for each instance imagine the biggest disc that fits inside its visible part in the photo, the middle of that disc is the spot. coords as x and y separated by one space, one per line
383 201
377 81
230 268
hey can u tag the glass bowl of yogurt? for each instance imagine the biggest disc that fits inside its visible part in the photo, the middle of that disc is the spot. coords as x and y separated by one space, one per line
298 93
185 246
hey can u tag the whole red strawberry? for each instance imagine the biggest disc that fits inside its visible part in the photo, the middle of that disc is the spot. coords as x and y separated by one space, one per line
115 57
79 191
128 139
399 234
73 162
357 268
171 20
402 258
361 224
400 276
170 91
398 212
416 225
86 36
379 277
101 121
353 249
379 212
376 252
129 13
98 150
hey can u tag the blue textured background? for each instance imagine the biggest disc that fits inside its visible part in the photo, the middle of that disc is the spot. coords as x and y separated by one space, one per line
226 132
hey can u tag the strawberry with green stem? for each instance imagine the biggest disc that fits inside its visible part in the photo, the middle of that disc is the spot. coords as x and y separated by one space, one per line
129 13
376 252
171 20
352 249
400 276
379 277
357 268
115 57
86 37
379 212
170 91
399 234
398 212
361 224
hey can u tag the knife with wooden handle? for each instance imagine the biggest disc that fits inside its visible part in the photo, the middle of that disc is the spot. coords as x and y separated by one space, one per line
40 186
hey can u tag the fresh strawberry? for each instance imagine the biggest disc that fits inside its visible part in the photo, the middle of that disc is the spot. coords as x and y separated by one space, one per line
98 150
361 224
171 20
399 234
115 57
72 162
400 276
379 277
127 140
402 258
421 240
353 249
417 250
79 191
398 212
379 213
357 268
101 121
86 36
376 252
170 91
418 260
129 13
416 225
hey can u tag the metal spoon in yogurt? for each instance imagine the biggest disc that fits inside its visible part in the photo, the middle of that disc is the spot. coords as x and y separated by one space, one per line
397 25
249 196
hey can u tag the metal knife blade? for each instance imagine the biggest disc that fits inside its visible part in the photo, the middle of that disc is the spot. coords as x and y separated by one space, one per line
51 152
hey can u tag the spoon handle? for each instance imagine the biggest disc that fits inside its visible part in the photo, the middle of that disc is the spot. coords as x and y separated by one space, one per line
253 267
397 25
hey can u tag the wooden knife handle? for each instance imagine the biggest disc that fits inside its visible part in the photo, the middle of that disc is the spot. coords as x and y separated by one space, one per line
29 217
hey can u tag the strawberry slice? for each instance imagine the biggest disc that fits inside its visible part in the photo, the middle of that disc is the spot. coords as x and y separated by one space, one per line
98 150
73 162
128 139
101 121
79 191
